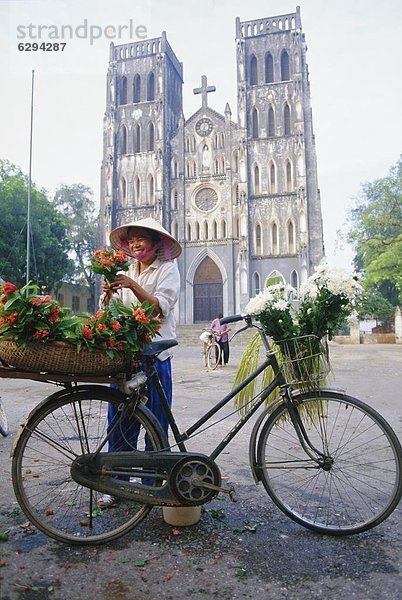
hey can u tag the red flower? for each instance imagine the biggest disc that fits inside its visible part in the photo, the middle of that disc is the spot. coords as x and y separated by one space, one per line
99 314
37 301
9 288
13 318
40 334
101 327
116 326
141 316
110 343
87 332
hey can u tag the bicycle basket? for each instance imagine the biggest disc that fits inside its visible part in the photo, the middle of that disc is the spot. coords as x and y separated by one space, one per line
304 361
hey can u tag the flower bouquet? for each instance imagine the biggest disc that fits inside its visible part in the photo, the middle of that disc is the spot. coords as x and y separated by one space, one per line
298 325
37 334
109 262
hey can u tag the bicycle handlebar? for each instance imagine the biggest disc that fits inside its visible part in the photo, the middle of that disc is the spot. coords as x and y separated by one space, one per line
232 319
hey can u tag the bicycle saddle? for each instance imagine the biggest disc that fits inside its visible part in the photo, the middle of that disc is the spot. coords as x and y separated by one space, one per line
155 348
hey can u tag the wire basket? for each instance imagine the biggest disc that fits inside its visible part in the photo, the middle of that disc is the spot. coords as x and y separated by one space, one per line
61 358
304 361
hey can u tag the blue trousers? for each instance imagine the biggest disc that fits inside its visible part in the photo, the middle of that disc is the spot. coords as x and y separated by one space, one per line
125 437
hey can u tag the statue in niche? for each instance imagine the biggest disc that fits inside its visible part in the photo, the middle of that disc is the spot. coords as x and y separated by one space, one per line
206 160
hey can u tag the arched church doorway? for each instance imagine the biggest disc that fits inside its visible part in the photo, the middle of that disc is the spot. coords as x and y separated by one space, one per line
208 291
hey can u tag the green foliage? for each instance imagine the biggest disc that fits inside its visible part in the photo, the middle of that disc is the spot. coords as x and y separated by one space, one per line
376 233
49 261
375 306
76 204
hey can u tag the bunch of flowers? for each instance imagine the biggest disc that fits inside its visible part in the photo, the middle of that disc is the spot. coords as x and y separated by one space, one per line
118 328
26 316
109 262
326 300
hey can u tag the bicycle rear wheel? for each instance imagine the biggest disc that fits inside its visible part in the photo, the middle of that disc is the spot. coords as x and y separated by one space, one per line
213 356
3 421
358 490
63 428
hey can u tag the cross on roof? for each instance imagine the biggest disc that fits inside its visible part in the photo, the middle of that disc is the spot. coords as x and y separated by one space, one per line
204 90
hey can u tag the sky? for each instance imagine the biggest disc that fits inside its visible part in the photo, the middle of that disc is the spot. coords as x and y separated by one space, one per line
355 80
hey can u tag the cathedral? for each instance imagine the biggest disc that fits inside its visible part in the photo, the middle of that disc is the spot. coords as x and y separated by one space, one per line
240 194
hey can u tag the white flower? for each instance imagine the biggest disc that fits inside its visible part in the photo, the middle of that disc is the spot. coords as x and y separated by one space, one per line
280 305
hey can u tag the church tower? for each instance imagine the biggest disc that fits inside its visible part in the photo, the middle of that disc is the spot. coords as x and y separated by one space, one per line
143 103
284 211
240 195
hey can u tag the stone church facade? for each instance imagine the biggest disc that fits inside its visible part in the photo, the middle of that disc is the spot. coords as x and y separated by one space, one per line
240 195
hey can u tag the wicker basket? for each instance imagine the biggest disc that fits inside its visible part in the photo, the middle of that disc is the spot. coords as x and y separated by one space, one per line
304 361
61 358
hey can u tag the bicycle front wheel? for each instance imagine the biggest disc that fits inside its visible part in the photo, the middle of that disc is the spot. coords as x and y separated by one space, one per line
357 487
64 428
3 421
213 356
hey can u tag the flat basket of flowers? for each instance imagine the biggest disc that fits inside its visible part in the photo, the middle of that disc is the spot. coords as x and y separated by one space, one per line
38 335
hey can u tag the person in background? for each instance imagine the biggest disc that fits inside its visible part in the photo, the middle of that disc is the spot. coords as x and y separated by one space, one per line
222 337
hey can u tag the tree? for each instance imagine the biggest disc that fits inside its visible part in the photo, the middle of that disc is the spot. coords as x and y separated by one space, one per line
76 204
376 234
49 260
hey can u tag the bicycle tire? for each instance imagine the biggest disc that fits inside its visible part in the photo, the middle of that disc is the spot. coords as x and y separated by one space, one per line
3 421
362 487
213 356
61 429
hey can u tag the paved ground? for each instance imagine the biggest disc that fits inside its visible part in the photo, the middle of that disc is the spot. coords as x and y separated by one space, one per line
242 550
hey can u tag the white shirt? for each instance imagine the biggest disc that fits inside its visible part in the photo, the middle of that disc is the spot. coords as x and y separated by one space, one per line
162 280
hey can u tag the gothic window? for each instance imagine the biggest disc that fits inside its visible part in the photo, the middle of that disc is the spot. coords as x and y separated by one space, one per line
206 231
271 122
253 71
151 137
291 238
123 139
285 74
137 139
137 190
222 164
289 178
256 180
123 189
151 87
216 167
123 90
236 193
187 144
236 229
258 240
272 177
137 88
274 239
294 280
193 144
254 124
269 68
151 190
197 231
194 169
235 161
189 232
216 141
257 283
175 168
286 119
224 230
215 230
175 229
187 169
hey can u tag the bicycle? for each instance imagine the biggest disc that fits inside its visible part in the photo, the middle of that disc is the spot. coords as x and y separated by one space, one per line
327 460
3 421
212 350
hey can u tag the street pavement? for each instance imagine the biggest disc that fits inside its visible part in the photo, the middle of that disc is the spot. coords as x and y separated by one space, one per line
247 549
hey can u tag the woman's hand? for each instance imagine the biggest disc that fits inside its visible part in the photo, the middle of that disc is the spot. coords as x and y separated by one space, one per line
122 281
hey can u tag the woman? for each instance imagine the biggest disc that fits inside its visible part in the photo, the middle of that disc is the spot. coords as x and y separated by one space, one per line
153 277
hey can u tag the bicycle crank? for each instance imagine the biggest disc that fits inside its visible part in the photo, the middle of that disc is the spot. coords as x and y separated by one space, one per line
209 486
196 480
